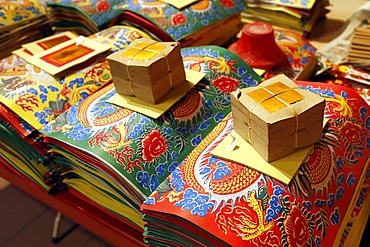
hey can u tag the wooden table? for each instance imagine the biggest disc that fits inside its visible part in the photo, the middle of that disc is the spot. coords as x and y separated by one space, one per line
340 12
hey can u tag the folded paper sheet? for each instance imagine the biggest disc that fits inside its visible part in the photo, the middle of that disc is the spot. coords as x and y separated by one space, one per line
61 93
67 54
156 110
22 53
283 169
48 42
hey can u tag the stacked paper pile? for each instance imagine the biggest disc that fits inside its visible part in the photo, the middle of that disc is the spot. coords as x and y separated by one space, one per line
21 22
30 98
147 69
118 157
210 201
190 25
110 155
277 117
359 50
20 149
298 16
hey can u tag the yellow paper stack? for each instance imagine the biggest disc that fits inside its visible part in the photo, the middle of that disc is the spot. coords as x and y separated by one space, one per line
147 69
359 49
298 16
277 117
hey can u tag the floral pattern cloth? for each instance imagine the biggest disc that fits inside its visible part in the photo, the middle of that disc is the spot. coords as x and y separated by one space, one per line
174 22
215 202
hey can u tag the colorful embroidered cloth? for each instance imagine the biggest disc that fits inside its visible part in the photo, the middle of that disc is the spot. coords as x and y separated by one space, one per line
162 20
104 149
212 202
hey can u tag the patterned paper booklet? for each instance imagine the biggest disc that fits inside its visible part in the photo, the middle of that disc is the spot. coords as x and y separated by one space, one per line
162 20
299 16
302 4
16 13
208 201
120 156
21 22
30 98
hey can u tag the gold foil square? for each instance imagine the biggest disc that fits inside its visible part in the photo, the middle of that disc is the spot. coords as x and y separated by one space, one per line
143 51
275 96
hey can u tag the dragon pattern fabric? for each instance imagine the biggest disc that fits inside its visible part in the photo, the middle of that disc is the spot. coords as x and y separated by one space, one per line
233 205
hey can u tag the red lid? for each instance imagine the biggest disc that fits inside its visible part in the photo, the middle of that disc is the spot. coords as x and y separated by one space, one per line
257 46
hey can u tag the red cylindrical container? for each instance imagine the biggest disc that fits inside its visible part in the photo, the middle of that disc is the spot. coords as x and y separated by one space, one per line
257 46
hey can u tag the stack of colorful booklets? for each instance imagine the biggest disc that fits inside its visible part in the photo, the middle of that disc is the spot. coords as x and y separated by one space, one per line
157 174
298 16
211 201
21 22
118 157
30 98
110 155
198 23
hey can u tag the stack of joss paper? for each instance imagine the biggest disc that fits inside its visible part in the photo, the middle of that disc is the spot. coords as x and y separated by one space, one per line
358 50
189 22
21 22
147 69
30 98
212 201
301 17
277 117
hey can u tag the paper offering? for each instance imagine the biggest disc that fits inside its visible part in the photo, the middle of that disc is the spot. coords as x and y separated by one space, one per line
64 56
